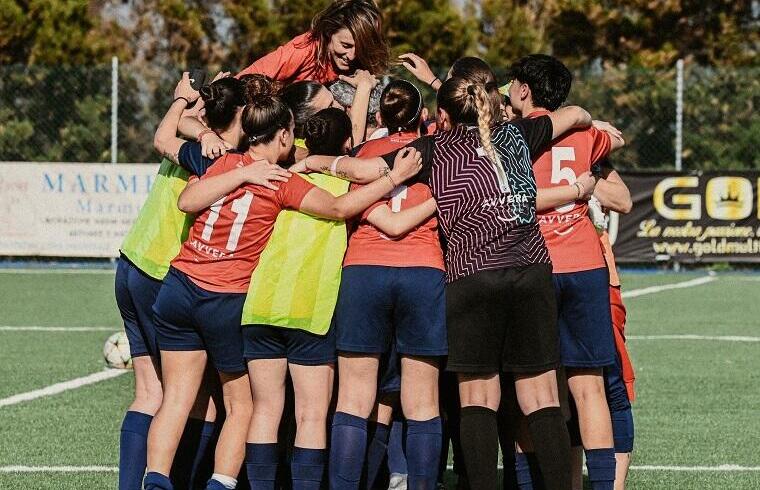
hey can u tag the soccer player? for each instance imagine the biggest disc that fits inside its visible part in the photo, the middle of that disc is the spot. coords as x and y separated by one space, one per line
344 37
151 243
540 85
392 291
483 184
198 309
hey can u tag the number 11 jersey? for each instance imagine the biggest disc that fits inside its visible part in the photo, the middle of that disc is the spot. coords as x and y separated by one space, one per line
569 233
226 240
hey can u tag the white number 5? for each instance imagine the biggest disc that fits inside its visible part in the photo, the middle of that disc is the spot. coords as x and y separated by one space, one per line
563 154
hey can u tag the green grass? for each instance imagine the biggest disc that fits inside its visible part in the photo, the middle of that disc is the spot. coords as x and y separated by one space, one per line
698 401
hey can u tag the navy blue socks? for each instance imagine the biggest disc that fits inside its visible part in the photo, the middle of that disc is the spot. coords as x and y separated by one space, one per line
261 465
133 449
348 445
601 468
376 451
423 448
307 467
396 456
157 481
194 461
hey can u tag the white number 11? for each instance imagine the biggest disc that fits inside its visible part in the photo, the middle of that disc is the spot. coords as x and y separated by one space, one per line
240 207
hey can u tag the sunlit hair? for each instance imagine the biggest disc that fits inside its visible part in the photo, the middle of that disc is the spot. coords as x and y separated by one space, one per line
364 21
475 70
470 104
263 117
257 84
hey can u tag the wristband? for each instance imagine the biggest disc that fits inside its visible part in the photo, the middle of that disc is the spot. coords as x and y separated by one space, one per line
187 102
334 166
204 133
433 81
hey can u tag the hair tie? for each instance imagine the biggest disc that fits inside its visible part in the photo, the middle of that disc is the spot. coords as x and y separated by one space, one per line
252 139
471 89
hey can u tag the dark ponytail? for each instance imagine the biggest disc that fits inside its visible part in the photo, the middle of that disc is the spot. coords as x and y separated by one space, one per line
263 117
221 100
401 106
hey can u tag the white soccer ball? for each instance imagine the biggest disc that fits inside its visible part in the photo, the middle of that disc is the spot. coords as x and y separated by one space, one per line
116 351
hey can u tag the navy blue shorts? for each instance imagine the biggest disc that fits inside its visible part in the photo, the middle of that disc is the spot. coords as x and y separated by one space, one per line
297 346
136 293
378 304
190 318
584 318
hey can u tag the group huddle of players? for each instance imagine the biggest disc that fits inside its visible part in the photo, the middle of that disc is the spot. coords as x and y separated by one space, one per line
450 269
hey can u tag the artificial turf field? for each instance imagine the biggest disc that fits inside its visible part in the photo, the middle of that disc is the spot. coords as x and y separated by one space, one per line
697 414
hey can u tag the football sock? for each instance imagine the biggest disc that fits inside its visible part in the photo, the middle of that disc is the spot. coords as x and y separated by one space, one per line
348 444
221 482
376 450
551 442
261 465
480 446
601 468
194 461
527 470
396 456
133 449
307 467
622 430
157 481
423 444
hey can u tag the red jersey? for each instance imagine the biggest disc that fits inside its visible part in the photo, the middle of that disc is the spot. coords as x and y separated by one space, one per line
418 248
226 240
292 62
569 233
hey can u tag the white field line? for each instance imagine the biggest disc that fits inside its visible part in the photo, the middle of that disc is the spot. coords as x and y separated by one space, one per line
61 387
664 287
724 338
34 328
57 271
729 468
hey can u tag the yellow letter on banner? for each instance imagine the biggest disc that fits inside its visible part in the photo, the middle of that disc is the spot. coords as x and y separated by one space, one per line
694 201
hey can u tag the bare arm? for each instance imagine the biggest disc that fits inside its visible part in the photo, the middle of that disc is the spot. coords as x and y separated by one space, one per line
212 145
401 223
201 194
566 118
551 197
165 140
359 170
363 81
612 192
616 136
319 202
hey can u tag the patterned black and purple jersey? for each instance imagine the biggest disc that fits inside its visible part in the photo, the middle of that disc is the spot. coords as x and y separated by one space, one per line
488 223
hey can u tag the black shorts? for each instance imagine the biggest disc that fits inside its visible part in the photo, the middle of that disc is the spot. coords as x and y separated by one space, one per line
503 320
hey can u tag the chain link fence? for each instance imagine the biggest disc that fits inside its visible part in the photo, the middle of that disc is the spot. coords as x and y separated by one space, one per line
64 113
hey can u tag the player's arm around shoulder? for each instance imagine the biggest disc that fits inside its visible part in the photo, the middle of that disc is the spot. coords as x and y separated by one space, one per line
202 193
400 223
165 141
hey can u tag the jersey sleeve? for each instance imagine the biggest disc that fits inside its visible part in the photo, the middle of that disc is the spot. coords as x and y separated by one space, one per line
600 145
191 158
426 147
291 193
284 62
537 132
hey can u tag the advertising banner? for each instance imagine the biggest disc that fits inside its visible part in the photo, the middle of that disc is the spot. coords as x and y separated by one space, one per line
705 217
69 209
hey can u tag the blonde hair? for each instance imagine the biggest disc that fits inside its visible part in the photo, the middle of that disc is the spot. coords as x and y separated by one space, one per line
470 103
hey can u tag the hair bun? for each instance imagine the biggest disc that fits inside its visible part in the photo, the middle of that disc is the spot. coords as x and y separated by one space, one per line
315 128
206 93
471 89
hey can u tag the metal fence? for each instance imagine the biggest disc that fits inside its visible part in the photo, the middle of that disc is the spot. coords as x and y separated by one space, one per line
693 116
